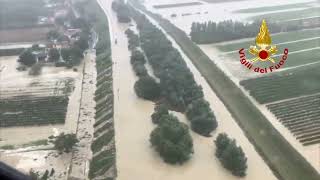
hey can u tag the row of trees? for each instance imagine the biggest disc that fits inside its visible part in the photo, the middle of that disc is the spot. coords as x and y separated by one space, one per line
170 138
122 10
177 83
146 87
134 41
212 32
230 155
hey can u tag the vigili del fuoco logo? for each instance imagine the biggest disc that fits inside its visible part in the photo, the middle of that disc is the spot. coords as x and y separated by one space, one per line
263 51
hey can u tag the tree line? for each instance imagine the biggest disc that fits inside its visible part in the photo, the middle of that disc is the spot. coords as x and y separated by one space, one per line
145 87
71 56
122 10
212 32
177 83
171 138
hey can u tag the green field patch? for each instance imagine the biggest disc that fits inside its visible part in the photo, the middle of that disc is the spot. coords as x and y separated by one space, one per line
301 117
284 85
7 147
276 38
273 8
280 16
32 143
36 143
295 59
162 6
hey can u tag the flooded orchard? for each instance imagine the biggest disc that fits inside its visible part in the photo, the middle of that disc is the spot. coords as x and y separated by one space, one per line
136 159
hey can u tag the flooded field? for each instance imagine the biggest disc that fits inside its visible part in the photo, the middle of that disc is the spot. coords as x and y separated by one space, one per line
247 11
303 44
223 11
51 83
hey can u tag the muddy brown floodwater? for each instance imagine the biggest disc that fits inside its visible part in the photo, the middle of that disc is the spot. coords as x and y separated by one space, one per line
136 159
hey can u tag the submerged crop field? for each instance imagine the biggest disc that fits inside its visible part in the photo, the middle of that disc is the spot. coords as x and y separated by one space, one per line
38 104
291 94
301 117
303 47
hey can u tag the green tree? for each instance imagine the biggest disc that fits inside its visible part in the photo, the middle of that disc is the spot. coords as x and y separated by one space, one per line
202 118
33 175
137 56
27 58
45 175
52 172
159 111
66 54
221 143
230 155
146 87
172 140
82 43
54 55
53 35
65 142
139 69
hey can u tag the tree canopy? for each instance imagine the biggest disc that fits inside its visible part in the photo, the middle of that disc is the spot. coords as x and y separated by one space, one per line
177 83
146 87
123 13
159 111
65 142
172 140
202 119
230 155
27 58
54 55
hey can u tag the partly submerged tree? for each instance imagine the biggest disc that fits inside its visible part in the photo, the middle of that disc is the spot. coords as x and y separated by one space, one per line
230 155
65 142
159 111
201 117
54 55
27 58
146 87
172 140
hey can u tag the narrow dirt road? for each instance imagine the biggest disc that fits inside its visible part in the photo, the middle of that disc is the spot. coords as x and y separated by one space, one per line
82 154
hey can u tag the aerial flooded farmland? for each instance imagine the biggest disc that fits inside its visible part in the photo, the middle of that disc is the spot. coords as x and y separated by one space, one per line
161 90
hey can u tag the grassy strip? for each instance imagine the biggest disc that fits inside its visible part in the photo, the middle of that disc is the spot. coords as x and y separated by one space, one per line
288 164
101 163
36 143
276 38
162 6
32 143
282 16
102 141
7 147
273 8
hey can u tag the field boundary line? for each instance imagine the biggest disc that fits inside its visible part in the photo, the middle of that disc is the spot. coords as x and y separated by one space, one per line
287 42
